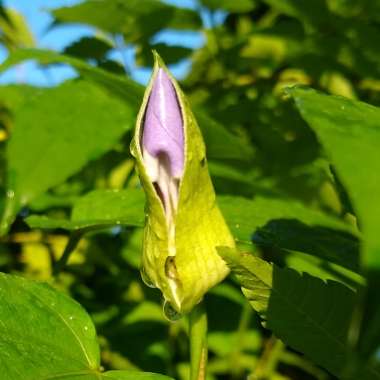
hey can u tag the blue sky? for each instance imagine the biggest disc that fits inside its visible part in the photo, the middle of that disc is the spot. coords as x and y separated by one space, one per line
38 18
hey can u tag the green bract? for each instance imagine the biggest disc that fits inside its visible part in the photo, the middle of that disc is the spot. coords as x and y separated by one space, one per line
185 275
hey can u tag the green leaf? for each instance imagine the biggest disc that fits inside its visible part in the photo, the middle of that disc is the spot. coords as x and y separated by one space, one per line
313 12
46 335
99 209
336 246
308 314
122 86
350 132
216 135
15 32
13 96
89 48
136 19
170 53
233 6
291 225
74 126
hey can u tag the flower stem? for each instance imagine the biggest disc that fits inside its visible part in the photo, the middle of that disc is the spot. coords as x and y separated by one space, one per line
198 342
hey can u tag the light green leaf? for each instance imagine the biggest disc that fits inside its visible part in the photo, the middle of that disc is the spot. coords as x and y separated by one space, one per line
15 32
97 210
223 343
291 225
46 335
308 314
74 126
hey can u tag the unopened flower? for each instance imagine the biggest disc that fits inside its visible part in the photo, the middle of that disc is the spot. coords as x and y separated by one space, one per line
183 224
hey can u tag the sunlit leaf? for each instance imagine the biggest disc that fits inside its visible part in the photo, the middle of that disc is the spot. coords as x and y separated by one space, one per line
73 128
15 32
46 334
97 210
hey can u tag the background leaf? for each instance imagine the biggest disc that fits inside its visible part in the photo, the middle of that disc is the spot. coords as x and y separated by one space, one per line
291 225
39 150
99 209
229 5
130 17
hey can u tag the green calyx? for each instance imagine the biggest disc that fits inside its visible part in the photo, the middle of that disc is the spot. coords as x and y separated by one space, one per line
199 227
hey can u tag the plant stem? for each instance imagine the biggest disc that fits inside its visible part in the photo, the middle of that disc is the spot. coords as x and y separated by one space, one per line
70 247
245 320
268 361
198 342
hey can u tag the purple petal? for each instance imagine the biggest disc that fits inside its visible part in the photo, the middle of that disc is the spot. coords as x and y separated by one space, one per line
163 127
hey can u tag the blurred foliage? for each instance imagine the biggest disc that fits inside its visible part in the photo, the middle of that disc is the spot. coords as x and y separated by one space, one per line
296 173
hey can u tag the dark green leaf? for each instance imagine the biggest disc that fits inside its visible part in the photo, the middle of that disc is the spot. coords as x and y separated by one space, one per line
136 19
308 314
229 5
350 133
313 12
170 54
286 224
89 48
335 246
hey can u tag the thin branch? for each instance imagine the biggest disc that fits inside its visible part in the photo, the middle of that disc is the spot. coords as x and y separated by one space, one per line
70 247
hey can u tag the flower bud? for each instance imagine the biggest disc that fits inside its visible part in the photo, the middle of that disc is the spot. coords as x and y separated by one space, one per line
183 222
